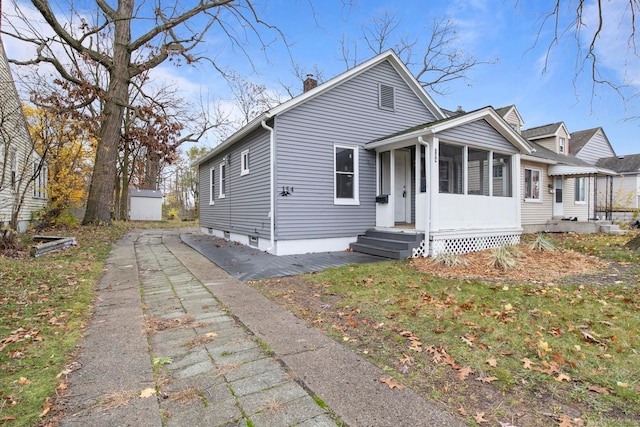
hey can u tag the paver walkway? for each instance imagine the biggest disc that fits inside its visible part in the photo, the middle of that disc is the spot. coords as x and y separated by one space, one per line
216 353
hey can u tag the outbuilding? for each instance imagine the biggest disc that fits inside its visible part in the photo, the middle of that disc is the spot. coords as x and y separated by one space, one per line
146 205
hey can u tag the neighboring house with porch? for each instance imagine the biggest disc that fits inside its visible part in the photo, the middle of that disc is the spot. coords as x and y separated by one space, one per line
559 190
368 149
23 176
622 192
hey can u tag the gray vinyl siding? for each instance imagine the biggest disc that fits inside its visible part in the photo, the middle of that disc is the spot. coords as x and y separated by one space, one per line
479 134
346 115
245 207
595 149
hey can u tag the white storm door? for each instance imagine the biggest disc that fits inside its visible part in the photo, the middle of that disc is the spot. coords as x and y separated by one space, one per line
401 190
558 209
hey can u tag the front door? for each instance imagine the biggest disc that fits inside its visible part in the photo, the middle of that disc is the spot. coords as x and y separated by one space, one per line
401 190
558 210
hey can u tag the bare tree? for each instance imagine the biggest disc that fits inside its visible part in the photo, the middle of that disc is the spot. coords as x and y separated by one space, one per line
173 32
435 59
589 25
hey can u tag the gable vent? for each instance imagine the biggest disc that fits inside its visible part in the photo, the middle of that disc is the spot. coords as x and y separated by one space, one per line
387 97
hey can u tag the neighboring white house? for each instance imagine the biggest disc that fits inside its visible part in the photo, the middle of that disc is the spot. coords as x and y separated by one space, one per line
145 205
23 176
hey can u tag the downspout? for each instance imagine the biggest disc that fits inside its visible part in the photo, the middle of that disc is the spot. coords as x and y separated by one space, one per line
427 167
272 184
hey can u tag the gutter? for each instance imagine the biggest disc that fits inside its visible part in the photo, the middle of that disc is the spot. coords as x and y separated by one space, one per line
428 167
272 184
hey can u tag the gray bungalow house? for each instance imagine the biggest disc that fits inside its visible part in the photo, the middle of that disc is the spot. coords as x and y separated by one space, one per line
367 150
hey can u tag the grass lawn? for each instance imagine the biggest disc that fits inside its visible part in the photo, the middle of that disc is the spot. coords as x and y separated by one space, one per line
554 344
45 303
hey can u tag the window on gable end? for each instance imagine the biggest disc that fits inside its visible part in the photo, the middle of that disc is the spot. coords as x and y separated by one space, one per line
386 97
563 143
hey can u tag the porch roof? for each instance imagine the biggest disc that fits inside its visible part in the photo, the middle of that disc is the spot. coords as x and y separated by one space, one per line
485 113
562 164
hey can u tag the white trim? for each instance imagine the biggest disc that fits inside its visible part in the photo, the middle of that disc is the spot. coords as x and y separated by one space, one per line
355 200
223 181
389 56
244 161
212 185
524 185
381 98
303 246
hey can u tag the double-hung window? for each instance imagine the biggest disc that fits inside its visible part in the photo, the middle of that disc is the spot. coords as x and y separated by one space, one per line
345 175
581 190
223 180
532 184
212 184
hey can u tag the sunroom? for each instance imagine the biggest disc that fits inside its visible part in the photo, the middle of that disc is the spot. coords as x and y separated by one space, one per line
456 180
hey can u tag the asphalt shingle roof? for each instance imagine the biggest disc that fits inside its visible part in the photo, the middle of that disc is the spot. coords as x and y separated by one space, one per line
580 138
541 131
621 164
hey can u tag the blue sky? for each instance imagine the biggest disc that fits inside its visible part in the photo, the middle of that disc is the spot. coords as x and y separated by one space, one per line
499 31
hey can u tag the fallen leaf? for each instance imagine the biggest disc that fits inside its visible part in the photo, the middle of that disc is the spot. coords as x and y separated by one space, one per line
147 392
463 373
601 390
46 408
527 363
210 335
23 381
492 362
391 383
487 379
482 346
563 377
462 411
479 417
621 384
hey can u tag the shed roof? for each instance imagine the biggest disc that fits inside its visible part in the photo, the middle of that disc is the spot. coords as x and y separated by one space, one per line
152 194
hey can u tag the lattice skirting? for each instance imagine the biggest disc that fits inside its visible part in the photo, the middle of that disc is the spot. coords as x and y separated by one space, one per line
463 245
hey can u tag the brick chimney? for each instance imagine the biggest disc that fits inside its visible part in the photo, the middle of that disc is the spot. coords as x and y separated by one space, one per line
309 83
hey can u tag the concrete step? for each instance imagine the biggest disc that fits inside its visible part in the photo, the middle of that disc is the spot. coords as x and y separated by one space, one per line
382 252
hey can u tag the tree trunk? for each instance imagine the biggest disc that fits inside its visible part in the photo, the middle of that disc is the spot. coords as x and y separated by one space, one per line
100 197
634 244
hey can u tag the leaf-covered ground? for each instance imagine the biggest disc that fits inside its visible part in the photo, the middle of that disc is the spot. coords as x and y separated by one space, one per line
553 341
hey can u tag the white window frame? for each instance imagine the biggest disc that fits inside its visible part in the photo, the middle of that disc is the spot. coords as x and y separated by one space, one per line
14 171
524 182
577 192
40 181
212 185
563 145
380 97
223 180
244 163
355 200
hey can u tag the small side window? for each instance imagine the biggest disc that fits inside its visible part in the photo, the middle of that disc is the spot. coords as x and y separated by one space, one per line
244 167
223 180
212 184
